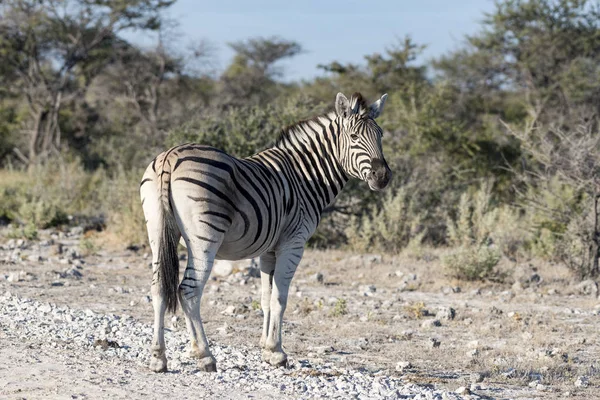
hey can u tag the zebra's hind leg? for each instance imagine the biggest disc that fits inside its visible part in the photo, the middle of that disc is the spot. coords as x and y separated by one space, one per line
200 262
151 205
286 263
267 269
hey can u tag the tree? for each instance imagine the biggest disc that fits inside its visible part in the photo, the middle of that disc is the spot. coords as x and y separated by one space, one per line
559 161
55 47
535 58
252 76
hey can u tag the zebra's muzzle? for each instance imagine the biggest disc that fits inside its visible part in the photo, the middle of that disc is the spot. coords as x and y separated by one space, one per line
380 175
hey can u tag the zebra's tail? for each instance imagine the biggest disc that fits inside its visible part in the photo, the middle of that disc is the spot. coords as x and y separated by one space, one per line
167 244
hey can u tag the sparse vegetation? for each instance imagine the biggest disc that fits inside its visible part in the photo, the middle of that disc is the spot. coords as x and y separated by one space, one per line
340 308
499 109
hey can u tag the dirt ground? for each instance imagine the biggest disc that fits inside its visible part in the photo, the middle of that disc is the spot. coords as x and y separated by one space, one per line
533 335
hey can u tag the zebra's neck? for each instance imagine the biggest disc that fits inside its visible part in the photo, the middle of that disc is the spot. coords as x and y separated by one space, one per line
311 148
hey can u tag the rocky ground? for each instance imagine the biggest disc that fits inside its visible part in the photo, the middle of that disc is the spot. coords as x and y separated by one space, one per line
75 322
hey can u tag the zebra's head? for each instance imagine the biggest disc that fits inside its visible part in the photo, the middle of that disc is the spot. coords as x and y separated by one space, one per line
360 152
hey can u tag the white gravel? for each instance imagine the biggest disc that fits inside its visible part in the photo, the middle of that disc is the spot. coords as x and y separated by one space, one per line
72 333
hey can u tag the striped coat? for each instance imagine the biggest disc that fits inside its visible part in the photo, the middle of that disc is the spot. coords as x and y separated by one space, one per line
267 205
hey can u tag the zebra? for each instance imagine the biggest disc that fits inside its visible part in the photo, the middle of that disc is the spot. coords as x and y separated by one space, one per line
266 206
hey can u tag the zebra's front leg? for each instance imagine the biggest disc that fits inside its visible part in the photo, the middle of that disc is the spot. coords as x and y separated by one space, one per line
190 294
286 263
267 268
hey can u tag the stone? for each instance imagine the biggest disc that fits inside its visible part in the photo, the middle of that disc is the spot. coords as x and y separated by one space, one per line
582 381
476 377
222 268
447 313
322 349
434 343
431 323
403 366
463 390
588 287
317 277
45 308
73 273
230 310
472 353
34 258
367 290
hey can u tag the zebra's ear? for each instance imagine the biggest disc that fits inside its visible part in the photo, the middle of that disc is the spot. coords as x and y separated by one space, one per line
376 108
342 105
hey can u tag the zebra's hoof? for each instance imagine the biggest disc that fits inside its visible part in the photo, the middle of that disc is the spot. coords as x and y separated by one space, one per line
207 364
158 364
275 358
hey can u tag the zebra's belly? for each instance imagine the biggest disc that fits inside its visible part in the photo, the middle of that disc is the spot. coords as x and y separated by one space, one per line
243 241
239 251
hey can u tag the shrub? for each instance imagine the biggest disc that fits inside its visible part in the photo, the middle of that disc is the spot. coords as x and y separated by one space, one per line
244 131
472 234
384 228
472 262
340 308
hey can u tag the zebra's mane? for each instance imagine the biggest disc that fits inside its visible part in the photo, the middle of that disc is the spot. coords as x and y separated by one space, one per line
357 102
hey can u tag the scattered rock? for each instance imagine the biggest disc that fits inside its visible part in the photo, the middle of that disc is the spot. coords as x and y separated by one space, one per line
495 311
235 310
476 377
472 353
407 334
20 276
106 344
588 288
430 323
230 310
222 268
367 290
582 381
321 349
76 231
403 366
35 258
317 277
463 390
73 273
45 308
447 313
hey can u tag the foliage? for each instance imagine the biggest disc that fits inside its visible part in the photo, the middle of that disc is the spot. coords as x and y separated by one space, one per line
385 227
246 130
83 111
471 234
340 308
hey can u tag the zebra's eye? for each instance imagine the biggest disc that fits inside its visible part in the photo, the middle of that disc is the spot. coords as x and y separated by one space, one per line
354 137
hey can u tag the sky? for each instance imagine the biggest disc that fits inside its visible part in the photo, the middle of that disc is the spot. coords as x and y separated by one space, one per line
328 30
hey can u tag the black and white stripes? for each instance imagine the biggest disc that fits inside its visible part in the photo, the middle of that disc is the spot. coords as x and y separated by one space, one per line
267 205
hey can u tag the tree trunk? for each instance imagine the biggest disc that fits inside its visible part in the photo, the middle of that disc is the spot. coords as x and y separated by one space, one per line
593 270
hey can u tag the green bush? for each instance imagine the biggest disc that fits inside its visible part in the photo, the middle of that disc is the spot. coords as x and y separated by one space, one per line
471 233
385 227
243 131
472 262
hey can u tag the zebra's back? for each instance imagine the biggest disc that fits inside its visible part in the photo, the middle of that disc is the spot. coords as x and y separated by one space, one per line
238 205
